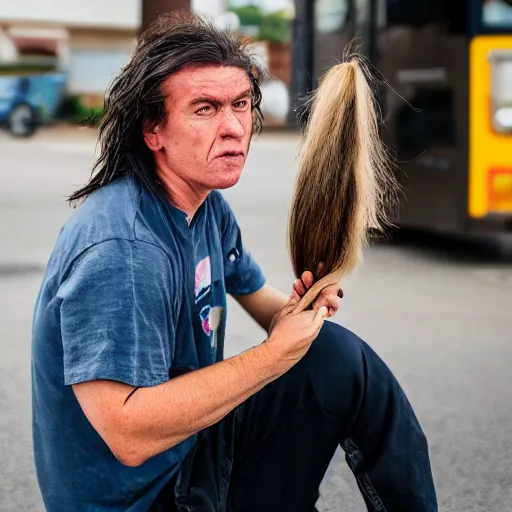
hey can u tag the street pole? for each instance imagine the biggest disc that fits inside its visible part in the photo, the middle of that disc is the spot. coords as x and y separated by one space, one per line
303 49
151 9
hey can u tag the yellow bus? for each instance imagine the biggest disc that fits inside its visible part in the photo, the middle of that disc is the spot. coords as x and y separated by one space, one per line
448 107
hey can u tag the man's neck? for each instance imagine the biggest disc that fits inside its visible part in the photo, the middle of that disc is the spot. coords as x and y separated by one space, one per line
183 195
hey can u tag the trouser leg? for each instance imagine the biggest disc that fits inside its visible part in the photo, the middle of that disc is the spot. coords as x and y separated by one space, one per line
340 393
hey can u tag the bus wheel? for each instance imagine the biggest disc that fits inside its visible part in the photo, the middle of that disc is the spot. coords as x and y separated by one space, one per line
22 120
503 247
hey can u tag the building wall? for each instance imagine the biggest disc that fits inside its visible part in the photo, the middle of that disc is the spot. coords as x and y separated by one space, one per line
123 14
212 8
98 35
98 39
95 58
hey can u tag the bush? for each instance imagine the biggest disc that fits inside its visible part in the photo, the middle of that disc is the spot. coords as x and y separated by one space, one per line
272 26
275 27
73 110
249 15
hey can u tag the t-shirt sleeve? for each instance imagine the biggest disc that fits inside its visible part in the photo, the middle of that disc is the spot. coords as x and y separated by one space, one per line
116 315
242 275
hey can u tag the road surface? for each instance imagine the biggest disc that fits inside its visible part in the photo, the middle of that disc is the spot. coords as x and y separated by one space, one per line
441 320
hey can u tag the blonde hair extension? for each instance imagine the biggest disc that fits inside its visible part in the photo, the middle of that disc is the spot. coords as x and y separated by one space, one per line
345 178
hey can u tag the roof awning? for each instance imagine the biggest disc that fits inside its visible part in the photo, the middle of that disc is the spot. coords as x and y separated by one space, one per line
36 46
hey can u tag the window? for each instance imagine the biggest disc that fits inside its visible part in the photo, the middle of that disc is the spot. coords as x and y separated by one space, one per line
497 13
416 14
450 15
330 15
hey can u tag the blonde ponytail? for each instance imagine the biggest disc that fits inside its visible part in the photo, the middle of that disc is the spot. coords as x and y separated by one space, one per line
345 178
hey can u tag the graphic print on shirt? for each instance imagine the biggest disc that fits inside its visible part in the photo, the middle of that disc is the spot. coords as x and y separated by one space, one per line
210 316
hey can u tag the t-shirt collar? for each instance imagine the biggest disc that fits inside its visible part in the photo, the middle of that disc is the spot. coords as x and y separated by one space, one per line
181 218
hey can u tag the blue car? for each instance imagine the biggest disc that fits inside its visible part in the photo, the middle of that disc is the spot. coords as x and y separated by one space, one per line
29 99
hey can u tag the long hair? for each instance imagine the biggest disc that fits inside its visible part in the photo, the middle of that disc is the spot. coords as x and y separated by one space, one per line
345 182
135 97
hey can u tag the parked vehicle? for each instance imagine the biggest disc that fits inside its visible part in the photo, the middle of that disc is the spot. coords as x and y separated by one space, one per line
29 96
448 107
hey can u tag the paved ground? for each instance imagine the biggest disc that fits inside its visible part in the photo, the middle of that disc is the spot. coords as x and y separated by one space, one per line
440 318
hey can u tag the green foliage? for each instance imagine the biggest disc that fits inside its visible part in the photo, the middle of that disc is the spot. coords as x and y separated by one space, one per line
272 26
73 110
90 116
275 27
250 15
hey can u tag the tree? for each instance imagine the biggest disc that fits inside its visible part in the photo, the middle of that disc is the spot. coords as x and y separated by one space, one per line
250 15
272 26
275 27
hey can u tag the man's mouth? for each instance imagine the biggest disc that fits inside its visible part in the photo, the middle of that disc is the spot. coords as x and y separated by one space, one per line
231 154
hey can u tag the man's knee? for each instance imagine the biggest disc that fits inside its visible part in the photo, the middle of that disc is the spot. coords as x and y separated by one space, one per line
336 368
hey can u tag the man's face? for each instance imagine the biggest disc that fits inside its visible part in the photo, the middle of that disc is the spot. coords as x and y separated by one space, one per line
205 137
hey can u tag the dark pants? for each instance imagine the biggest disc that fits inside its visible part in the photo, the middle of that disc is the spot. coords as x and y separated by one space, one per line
272 452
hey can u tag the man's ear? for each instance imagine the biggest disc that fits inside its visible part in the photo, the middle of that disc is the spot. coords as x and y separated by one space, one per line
152 135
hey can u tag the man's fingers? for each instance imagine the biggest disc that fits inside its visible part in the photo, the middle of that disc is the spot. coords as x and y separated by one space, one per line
298 286
307 279
332 289
332 302
323 312
302 285
329 301
294 297
329 297
316 316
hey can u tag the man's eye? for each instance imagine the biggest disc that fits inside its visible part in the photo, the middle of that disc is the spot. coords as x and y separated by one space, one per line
241 104
204 110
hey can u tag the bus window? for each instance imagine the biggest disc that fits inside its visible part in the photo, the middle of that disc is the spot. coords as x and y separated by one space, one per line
450 15
330 15
497 13
414 14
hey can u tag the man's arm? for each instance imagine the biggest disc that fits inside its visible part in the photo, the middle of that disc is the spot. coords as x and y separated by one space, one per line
137 425
264 304
116 356
154 419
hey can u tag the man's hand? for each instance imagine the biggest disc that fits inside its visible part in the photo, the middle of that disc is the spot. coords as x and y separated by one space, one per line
265 304
292 333
330 297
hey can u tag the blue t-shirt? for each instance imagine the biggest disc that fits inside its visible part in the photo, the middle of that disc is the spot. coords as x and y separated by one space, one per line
132 293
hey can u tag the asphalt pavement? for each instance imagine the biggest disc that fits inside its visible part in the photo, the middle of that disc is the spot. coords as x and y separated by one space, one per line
441 318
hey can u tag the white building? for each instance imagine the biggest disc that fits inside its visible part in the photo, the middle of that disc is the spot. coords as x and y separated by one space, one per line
91 39
212 8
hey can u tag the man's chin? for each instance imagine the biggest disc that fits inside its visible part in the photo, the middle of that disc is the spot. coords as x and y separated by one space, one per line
228 179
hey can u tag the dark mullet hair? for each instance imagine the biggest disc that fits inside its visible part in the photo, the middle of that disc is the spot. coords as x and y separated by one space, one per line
135 97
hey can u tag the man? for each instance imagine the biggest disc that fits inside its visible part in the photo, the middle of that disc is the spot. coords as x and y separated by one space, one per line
134 407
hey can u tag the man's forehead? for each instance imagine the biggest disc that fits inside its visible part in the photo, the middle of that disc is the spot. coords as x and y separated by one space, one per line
221 81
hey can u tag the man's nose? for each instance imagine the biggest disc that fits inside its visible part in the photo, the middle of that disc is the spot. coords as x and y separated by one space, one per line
231 126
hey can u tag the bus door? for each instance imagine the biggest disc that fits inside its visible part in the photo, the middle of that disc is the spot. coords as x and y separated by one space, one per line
421 47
